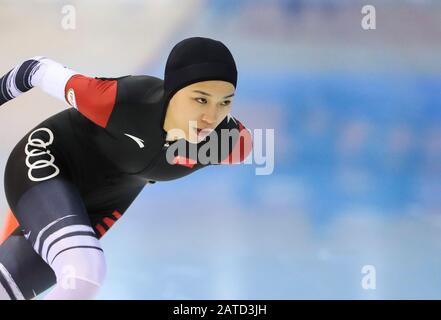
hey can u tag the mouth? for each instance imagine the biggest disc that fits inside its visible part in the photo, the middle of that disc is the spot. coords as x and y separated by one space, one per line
202 132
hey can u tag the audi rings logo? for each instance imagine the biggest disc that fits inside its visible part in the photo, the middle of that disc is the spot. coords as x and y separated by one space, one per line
34 149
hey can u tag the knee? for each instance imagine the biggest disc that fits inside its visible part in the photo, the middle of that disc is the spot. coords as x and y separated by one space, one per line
84 267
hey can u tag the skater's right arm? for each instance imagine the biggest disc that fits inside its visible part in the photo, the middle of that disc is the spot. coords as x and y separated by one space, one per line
40 72
93 97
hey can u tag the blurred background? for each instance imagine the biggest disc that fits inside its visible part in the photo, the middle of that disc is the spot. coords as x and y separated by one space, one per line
357 121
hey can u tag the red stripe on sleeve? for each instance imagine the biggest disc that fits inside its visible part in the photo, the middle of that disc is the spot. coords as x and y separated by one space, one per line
94 98
183 161
242 148
116 214
100 229
109 222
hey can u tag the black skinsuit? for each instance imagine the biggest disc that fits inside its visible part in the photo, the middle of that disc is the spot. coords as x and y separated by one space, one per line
95 158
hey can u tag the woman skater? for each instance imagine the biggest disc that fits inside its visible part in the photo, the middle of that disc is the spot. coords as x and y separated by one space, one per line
70 178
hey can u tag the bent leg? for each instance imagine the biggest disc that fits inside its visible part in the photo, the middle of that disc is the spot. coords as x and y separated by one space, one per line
55 221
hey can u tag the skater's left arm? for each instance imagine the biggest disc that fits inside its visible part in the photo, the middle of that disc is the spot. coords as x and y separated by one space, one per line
243 143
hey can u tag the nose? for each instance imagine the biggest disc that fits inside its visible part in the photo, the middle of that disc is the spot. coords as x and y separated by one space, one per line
210 117
208 122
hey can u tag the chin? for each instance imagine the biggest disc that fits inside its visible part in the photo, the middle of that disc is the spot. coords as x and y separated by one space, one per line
192 140
195 141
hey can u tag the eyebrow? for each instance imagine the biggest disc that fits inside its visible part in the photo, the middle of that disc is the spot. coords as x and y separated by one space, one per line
207 94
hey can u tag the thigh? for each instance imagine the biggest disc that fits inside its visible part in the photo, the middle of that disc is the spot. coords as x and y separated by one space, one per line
49 209
52 216
40 191
52 220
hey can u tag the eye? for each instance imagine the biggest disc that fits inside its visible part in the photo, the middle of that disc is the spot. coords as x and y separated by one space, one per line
201 100
226 103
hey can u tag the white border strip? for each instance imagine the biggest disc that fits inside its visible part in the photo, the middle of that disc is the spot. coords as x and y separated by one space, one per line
17 293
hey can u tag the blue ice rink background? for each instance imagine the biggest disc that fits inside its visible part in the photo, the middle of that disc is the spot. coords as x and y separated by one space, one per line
357 162
356 182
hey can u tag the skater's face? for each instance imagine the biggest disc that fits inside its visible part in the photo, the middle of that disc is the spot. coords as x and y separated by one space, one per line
198 109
